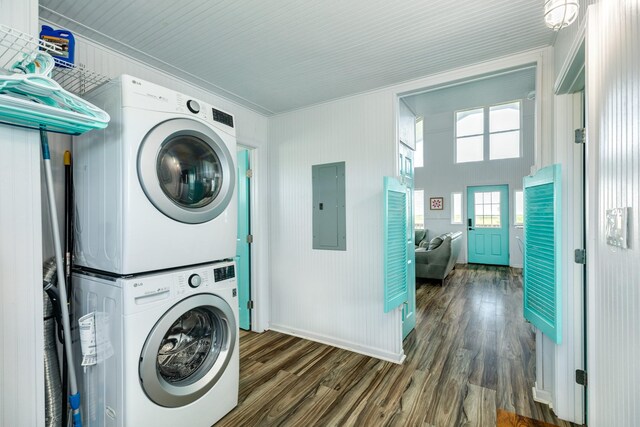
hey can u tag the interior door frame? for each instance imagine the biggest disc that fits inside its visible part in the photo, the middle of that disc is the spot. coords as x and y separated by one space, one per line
259 219
246 187
542 59
504 214
570 399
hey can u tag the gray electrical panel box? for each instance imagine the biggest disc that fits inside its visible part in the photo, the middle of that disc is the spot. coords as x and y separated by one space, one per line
329 218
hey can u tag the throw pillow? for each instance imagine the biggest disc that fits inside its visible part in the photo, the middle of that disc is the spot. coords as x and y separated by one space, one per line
435 243
424 244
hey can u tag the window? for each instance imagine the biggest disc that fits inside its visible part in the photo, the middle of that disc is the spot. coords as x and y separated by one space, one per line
419 157
418 209
487 209
518 215
470 136
504 128
500 133
456 208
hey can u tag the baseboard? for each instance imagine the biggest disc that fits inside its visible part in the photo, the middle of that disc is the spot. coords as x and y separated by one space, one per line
542 396
335 342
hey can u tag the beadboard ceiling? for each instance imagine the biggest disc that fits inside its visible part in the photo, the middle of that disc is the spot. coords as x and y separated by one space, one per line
278 55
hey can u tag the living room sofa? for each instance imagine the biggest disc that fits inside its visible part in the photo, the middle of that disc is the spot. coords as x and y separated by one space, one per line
436 259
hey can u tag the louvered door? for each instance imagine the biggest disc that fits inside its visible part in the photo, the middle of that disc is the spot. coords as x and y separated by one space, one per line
395 241
542 240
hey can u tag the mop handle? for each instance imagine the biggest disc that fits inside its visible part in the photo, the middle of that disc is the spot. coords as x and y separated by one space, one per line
74 397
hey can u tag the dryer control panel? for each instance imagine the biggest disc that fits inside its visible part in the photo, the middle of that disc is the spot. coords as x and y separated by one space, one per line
224 273
145 95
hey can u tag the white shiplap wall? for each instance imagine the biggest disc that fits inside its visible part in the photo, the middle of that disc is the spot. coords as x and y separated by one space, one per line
336 297
21 342
613 167
251 128
333 296
441 176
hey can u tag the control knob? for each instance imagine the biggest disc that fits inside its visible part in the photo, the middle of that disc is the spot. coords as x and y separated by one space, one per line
193 106
195 280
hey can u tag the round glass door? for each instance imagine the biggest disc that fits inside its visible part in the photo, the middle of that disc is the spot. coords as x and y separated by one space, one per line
189 171
187 350
186 170
195 338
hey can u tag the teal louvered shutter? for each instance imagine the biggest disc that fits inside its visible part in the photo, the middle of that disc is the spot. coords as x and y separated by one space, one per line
395 243
542 251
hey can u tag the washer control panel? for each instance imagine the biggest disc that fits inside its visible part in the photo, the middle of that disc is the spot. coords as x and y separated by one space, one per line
145 291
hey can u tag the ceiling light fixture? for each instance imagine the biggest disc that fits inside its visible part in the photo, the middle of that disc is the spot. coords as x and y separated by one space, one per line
560 13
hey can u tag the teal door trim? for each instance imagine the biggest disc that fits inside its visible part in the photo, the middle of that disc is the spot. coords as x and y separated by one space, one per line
243 247
486 242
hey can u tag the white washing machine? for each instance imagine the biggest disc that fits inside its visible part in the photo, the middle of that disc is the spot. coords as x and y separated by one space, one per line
155 189
167 350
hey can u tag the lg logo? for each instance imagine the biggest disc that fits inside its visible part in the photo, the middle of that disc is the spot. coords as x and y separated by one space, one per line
137 284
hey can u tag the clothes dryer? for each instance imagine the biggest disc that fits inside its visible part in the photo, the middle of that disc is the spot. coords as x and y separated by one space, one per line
166 347
156 189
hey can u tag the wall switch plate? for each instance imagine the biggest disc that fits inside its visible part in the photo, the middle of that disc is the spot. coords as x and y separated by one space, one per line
616 231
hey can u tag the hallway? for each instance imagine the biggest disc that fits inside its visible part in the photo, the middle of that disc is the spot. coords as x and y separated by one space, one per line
470 354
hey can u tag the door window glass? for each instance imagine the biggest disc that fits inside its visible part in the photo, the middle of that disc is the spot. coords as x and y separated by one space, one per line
487 209
193 341
189 171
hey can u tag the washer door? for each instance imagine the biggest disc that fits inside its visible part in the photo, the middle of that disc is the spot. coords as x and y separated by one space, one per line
186 170
187 350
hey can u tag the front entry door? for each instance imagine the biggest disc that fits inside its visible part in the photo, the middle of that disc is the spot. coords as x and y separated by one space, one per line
488 224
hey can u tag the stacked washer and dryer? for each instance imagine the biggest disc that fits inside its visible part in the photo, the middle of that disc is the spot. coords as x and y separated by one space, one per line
155 285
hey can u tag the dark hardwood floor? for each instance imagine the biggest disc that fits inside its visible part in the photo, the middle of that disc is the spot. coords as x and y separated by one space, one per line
470 354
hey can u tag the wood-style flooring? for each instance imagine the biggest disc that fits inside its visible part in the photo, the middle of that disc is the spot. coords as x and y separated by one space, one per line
470 354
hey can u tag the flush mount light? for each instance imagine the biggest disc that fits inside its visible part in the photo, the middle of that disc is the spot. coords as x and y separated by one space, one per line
560 13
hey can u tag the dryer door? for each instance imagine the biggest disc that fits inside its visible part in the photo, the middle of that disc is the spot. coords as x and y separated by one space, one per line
187 350
186 170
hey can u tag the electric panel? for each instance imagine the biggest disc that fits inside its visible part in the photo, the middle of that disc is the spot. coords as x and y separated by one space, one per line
329 215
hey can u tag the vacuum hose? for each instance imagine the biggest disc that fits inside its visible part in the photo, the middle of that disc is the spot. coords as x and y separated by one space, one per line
52 384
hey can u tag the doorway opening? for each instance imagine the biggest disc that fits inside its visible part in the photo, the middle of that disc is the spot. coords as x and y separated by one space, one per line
477 141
